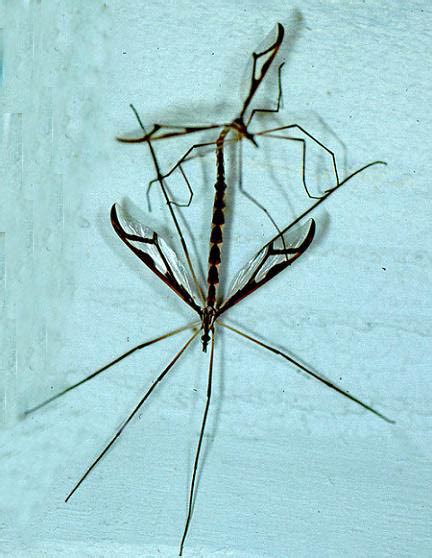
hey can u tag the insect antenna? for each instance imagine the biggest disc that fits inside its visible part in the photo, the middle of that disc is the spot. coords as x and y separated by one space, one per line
307 371
198 449
132 414
106 366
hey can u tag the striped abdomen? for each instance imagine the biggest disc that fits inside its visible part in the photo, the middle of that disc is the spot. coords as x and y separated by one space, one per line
218 219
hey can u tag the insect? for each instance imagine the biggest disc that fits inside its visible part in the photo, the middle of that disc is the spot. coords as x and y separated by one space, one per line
233 131
238 129
275 256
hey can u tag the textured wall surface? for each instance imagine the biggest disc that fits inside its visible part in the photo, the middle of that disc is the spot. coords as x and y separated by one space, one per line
290 468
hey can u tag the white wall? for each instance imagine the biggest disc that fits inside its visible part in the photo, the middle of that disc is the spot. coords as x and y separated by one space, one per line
290 469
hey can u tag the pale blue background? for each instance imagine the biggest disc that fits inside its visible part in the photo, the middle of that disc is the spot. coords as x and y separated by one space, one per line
290 469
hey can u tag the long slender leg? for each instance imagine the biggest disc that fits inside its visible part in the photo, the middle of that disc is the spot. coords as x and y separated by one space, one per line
303 144
307 371
249 196
103 368
178 165
184 158
171 210
327 194
324 197
278 103
172 202
198 450
264 132
132 414
281 128
272 133
189 187
154 134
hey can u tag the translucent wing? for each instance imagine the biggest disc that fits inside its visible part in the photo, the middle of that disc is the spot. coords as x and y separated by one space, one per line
274 257
261 62
156 254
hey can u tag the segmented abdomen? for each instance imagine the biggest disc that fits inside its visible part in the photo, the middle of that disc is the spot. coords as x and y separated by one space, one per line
218 219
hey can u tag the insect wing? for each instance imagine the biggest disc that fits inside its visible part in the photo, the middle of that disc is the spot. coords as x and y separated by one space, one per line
156 254
274 257
261 61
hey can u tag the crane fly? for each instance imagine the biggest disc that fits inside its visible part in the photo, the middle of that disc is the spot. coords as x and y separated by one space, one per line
156 254
238 129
